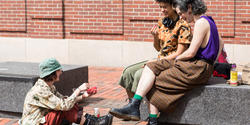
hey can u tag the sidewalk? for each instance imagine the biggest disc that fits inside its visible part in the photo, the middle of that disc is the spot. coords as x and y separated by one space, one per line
109 94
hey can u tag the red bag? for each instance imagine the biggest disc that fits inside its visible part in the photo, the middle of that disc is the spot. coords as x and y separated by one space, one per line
222 57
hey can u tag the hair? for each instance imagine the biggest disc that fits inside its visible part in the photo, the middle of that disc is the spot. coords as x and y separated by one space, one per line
198 6
165 1
51 77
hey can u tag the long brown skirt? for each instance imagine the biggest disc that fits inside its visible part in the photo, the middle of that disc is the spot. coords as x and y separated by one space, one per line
174 79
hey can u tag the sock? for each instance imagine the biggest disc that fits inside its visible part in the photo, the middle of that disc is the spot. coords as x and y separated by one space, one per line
138 97
153 115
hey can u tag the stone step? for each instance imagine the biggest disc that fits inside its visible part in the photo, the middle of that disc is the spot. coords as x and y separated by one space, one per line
16 78
215 104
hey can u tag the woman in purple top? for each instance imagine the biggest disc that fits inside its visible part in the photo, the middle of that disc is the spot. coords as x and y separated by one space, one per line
165 81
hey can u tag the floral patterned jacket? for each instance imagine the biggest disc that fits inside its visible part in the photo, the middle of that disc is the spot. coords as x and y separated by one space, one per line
40 100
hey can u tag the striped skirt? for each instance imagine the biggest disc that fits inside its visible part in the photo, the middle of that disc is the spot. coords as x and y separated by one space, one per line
174 79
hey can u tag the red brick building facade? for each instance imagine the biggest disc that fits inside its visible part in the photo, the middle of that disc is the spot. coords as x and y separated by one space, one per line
129 20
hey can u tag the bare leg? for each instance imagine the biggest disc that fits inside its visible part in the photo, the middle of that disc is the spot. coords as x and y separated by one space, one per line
146 82
153 109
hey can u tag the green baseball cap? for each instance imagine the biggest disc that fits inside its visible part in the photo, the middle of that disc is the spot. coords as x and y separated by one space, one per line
48 66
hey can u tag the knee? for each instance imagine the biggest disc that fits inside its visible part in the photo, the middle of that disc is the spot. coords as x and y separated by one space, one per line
138 75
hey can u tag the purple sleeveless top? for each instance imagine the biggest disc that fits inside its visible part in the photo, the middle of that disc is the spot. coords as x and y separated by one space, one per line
210 52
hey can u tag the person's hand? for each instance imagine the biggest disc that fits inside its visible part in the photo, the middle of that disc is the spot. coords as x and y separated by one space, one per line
83 87
154 30
85 95
91 91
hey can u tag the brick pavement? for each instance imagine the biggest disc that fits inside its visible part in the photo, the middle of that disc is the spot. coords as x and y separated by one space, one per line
109 94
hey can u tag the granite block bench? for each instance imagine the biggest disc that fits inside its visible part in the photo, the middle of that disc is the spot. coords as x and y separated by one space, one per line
214 104
16 78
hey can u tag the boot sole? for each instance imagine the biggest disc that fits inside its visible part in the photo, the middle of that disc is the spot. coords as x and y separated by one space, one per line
125 117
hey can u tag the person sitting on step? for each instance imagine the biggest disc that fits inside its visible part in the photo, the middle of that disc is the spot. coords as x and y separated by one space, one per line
163 82
172 36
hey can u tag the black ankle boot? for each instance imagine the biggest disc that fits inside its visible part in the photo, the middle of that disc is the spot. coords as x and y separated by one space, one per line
131 111
90 119
152 121
103 120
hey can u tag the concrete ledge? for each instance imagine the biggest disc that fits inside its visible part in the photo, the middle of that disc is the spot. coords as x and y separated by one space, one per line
16 78
217 104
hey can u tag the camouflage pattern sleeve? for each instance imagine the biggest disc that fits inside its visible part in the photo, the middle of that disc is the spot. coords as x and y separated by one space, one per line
44 97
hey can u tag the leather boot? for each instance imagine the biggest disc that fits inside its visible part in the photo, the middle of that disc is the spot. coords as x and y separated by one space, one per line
105 120
131 111
92 120
152 121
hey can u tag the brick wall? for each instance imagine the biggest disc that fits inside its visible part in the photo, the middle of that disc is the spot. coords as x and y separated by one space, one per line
129 20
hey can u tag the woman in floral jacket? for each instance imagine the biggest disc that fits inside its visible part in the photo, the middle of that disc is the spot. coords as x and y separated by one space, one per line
44 105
